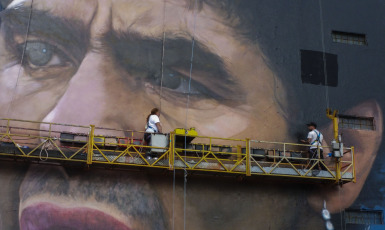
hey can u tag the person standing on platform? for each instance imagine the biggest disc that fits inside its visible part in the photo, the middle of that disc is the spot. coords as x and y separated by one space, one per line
153 126
315 138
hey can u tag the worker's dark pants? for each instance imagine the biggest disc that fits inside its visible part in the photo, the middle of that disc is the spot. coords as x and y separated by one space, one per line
147 138
314 155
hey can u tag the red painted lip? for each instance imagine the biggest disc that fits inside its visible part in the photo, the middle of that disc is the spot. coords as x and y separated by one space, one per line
44 216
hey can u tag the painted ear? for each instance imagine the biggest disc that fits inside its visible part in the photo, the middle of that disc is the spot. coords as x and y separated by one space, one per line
366 144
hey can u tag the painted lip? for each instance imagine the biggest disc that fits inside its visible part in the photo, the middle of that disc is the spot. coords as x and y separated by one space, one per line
44 216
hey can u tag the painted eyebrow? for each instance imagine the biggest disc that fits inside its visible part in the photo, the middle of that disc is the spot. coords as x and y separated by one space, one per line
68 33
145 53
138 54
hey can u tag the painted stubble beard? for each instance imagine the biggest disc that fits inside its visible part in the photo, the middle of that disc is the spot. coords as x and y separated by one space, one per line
128 194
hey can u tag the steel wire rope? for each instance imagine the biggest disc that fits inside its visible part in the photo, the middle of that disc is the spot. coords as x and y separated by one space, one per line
162 56
327 90
339 199
324 54
21 59
160 105
187 110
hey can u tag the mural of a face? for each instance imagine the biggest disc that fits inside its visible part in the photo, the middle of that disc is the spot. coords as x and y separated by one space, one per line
102 59
99 62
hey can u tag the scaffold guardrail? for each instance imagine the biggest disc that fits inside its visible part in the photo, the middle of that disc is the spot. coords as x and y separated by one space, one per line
90 145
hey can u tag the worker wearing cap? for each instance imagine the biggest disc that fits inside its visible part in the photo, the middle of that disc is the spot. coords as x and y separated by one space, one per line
314 138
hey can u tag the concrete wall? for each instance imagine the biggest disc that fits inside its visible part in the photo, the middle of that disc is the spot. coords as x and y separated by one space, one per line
100 62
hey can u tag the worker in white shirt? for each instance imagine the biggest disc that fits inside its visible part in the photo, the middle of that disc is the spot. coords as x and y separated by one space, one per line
153 122
315 138
153 126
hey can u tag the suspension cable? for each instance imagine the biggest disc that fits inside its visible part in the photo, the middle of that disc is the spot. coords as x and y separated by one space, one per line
327 91
187 110
340 203
324 55
162 56
21 60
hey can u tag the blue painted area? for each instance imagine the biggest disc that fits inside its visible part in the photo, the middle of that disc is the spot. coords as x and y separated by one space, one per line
364 227
383 210
377 227
372 196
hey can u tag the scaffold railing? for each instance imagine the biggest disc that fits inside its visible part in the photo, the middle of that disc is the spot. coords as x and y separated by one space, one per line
43 141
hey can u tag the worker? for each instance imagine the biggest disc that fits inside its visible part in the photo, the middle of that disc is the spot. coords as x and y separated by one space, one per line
153 126
315 138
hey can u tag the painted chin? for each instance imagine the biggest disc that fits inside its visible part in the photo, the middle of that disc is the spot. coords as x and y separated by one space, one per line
44 215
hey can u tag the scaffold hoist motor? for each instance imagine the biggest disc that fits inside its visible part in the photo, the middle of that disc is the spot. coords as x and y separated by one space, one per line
337 148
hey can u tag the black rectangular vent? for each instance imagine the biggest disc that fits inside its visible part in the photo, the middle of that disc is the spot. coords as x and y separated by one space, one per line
349 38
367 217
353 122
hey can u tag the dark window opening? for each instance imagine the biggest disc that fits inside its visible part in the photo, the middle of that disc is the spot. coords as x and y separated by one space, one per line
353 122
313 66
361 216
349 38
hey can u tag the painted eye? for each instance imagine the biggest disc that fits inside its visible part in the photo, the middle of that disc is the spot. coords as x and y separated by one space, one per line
41 54
171 80
176 82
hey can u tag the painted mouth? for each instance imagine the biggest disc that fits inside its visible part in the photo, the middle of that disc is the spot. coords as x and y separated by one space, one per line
44 216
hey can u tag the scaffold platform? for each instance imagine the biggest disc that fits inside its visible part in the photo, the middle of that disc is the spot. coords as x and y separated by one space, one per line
180 150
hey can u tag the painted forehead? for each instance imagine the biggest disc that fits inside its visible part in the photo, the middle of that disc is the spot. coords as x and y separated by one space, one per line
83 10
149 17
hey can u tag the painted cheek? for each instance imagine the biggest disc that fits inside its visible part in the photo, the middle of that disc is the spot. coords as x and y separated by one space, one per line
366 145
225 123
23 94
8 80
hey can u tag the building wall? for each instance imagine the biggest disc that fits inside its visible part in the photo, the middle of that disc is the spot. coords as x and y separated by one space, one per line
53 197
104 62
